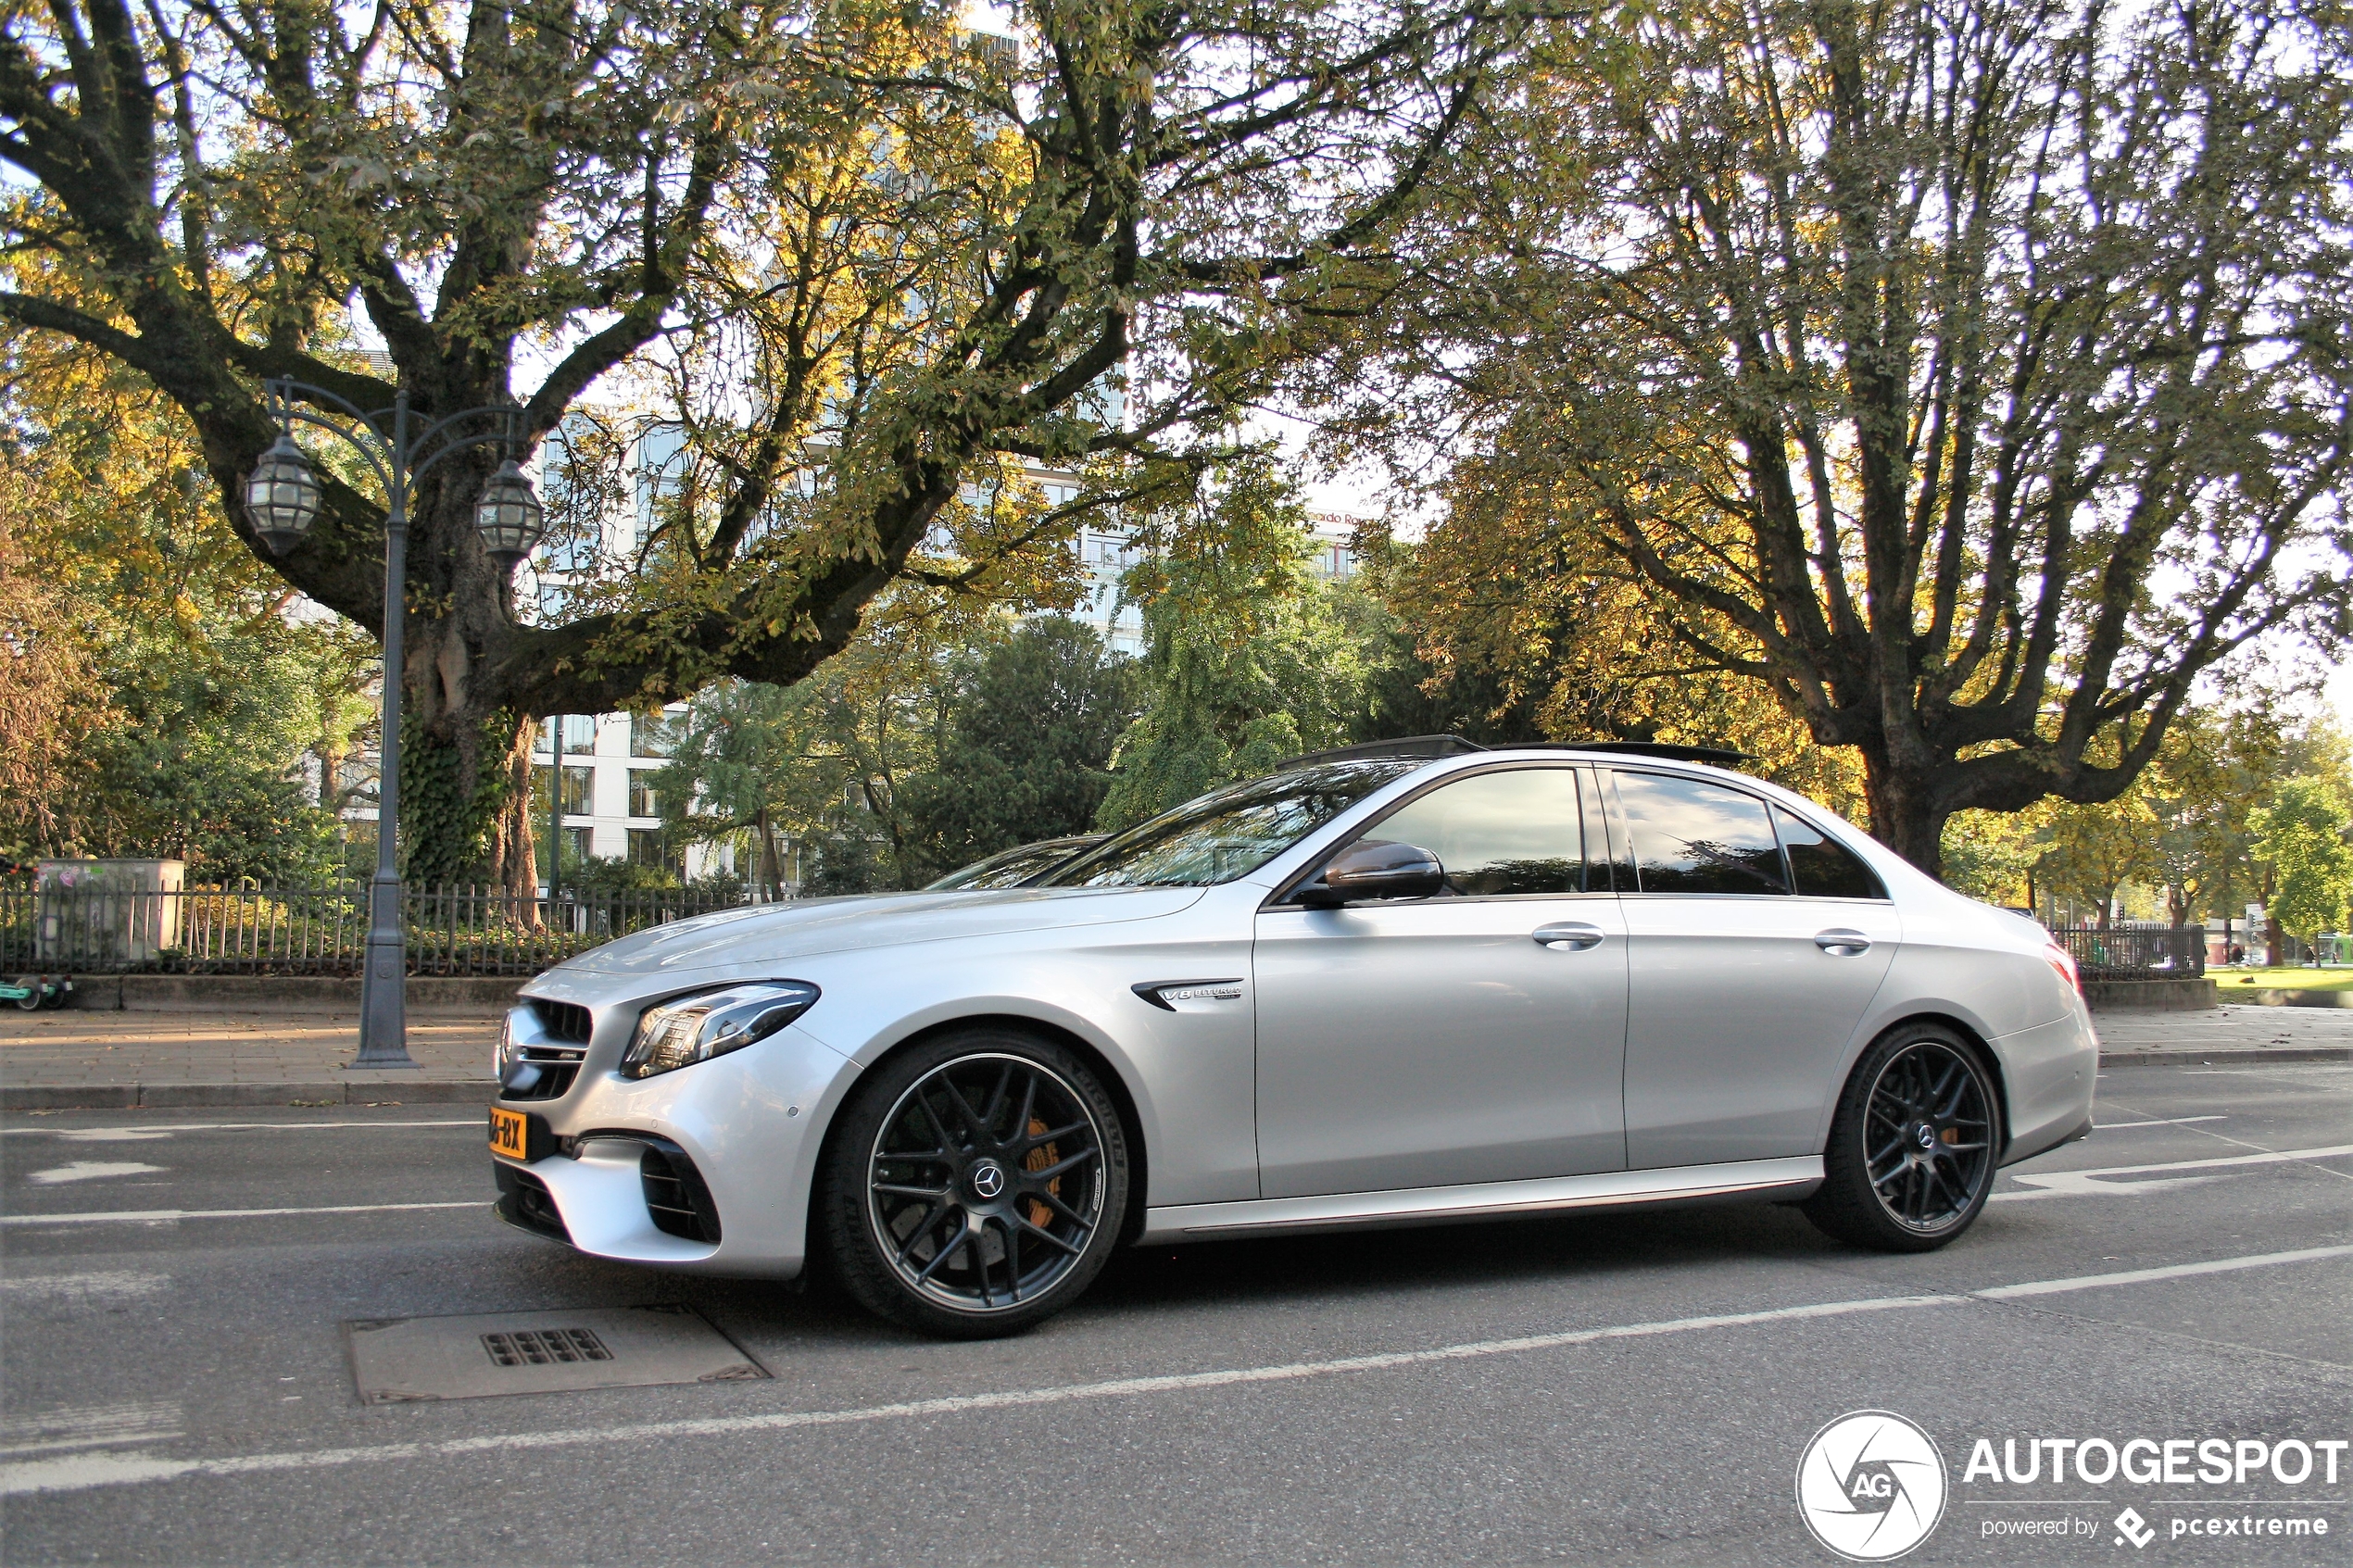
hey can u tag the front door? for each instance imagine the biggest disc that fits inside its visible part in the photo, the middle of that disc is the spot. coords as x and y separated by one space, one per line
1475 1036
1745 987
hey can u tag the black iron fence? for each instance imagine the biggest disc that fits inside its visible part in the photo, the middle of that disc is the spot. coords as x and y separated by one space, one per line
2136 953
454 931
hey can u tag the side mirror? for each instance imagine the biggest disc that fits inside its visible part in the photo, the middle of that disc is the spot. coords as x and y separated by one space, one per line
1376 869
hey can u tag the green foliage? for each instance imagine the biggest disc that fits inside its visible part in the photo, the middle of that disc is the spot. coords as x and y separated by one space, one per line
1032 717
600 873
2301 837
1248 661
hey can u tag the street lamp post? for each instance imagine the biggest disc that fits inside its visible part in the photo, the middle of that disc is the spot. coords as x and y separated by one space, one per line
283 500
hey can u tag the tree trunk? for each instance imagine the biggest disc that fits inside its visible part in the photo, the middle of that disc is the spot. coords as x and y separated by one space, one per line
771 870
514 864
1905 814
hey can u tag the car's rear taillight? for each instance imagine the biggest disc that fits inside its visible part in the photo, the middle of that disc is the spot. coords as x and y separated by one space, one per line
2064 962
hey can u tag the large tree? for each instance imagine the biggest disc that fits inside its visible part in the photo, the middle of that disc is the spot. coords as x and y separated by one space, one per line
863 255
1971 375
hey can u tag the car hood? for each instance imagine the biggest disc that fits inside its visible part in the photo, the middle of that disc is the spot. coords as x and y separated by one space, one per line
766 933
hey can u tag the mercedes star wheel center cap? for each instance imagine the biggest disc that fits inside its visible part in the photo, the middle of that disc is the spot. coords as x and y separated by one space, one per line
988 1179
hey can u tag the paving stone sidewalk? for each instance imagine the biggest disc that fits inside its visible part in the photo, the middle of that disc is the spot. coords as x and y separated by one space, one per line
249 1057
2162 1036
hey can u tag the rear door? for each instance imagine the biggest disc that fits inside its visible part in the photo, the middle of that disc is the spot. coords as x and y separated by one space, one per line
1742 990
1476 1036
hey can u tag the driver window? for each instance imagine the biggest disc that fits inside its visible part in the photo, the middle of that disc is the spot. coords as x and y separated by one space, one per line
1513 831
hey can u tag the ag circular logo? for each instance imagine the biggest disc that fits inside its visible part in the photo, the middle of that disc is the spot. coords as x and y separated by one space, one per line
1872 1486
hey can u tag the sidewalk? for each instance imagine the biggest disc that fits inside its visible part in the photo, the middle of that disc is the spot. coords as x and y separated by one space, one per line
202 1058
55 1060
2280 1033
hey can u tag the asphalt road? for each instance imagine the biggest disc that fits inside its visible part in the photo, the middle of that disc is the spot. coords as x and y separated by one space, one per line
1589 1390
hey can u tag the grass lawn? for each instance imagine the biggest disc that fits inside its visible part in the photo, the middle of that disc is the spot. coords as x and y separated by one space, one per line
2229 980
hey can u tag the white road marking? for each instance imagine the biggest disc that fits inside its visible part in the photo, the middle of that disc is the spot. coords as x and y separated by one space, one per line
106 1288
2154 1121
2079 1184
91 1426
2176 1270
91 1171
134 1134
84 1472
158 1216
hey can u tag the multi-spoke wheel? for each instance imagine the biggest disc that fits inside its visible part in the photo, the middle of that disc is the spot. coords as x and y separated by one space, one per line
975 1184
1912 1147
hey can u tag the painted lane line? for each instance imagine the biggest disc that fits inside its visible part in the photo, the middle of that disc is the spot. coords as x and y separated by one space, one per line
156 1216
2077 1183
131 1135
2154 1121
91 1171
82 1473
113 1287
76 1474
2176 1270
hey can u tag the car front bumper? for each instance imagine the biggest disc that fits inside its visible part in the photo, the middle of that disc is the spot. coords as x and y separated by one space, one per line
707 1168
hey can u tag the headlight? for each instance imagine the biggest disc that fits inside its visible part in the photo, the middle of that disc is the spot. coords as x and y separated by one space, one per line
690 1029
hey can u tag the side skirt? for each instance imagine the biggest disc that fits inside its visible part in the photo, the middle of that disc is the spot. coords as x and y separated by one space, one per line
1775 1180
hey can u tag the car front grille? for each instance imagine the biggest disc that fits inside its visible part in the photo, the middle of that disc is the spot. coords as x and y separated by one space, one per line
675 1197
541 1072
564 1021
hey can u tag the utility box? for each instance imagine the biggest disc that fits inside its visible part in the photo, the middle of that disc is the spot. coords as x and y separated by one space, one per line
100 915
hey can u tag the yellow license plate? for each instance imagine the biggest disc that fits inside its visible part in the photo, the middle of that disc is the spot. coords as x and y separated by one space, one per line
509 1133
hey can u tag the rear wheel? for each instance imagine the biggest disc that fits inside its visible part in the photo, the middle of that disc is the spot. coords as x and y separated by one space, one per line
975 1184
1911 1153
32 986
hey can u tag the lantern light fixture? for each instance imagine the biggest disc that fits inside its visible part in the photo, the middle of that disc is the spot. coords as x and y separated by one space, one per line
281 495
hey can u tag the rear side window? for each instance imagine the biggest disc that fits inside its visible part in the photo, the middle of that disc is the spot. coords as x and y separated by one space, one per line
1692 836
1515 831
1821 868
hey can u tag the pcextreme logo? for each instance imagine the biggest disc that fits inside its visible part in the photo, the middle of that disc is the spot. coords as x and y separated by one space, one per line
1872 1486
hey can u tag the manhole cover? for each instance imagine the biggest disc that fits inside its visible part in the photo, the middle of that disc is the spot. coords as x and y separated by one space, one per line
396 1360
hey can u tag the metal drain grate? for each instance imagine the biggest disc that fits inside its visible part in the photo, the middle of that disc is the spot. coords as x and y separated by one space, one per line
538 1346
394 1361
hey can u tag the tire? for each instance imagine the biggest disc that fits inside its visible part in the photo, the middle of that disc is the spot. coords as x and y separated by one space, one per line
31 998
973 1185
1914 1145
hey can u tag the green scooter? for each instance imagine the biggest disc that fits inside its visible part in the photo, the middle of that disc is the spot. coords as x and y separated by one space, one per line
30 991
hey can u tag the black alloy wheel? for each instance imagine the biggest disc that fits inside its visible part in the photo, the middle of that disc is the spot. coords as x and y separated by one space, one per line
975 1186
1912 1148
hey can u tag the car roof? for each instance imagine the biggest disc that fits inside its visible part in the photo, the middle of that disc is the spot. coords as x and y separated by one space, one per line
1432 749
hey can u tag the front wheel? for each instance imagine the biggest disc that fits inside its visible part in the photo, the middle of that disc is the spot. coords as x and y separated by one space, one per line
973 1185
1912 1146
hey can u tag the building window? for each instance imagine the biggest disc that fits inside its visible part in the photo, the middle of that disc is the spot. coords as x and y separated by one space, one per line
580 735
579 791
646 848
641 794
654 735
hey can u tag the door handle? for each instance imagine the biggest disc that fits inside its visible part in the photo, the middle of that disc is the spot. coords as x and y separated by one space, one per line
1841 944
1568 936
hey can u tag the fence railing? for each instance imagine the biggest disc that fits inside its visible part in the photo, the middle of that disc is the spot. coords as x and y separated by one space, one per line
452 931
2158 953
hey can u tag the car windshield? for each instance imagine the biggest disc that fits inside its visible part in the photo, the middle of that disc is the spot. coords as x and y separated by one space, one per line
1011 868
1228 834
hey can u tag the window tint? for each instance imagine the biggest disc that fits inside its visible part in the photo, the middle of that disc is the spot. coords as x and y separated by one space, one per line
1511 832
1692 836
1824 869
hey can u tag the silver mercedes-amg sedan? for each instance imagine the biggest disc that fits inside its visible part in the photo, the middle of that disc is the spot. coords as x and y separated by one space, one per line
1374 989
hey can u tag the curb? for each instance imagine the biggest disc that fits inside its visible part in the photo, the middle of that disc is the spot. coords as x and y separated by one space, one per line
2279 997
2227 1058
150 1096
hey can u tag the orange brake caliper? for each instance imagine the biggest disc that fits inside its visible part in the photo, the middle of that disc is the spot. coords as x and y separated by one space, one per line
1038 1158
